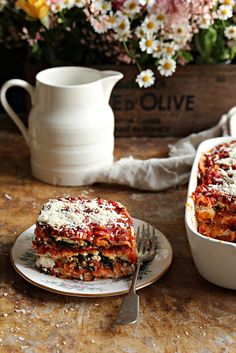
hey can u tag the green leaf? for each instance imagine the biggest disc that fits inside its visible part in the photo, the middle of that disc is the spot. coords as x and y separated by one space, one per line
210 37
204 42
198 43
45 22
188 57
35 48
209 41
224 55
233 52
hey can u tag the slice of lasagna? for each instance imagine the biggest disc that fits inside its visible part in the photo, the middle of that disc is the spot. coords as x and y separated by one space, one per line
215 195
85 239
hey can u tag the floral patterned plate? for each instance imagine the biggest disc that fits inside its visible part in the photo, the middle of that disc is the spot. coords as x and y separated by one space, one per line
23 259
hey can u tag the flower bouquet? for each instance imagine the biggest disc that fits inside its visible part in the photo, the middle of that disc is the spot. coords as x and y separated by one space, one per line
156 35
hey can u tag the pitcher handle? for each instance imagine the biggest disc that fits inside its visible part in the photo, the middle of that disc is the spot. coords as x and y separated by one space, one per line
29 88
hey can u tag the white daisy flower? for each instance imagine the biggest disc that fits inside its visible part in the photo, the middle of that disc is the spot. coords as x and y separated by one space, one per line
68 4
180 31
140 32
80 3
228 2
111 20
160 17
205 21
101 5
148 44
230 32
149 4
105 6
131 7
122 27
61 5
145 78
169 49
158 50
181 34
224 12
150 24
166 66
181 43
56 7
122 37
99 24
3 3
122 24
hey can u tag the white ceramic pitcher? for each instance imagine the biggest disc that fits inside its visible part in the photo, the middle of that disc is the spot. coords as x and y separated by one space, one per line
71 124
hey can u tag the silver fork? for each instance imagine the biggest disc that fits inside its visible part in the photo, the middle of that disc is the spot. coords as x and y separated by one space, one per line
146 244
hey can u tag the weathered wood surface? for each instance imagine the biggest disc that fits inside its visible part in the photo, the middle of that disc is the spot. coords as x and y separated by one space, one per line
180 313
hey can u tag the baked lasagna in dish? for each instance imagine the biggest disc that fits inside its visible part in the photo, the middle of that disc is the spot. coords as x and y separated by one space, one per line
85 239
215 195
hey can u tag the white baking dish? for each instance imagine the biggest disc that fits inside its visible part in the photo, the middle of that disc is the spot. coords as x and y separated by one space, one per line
214 259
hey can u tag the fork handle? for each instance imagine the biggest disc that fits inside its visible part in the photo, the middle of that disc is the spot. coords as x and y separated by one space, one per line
129 309
135 277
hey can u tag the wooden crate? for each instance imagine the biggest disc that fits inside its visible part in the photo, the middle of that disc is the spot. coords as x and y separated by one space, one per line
193 99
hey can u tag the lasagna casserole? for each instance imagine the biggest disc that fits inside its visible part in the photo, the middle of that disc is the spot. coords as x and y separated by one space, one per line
215 195
85 239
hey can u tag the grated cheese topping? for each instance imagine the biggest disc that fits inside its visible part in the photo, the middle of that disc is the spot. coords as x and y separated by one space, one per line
226 183
60 213
231 159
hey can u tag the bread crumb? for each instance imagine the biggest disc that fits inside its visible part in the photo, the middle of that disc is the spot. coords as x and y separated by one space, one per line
21 311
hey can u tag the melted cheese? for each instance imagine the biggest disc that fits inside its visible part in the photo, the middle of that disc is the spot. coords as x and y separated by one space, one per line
80 213
227 183
45 261
231 159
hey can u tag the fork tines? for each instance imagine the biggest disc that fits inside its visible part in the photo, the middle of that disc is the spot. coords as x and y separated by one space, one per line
146 242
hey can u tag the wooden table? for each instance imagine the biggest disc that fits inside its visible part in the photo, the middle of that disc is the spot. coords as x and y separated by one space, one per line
180 313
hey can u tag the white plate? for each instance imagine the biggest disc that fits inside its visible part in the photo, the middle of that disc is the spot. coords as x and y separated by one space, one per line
23 260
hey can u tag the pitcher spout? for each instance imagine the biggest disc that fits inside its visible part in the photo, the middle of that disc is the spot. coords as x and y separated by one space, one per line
109 79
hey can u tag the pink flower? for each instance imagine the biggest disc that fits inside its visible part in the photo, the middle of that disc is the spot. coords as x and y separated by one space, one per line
171 7
51 2
181 61
124 58
117 4
31 42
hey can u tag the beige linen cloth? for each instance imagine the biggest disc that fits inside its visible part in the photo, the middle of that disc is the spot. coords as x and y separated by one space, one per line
161 173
